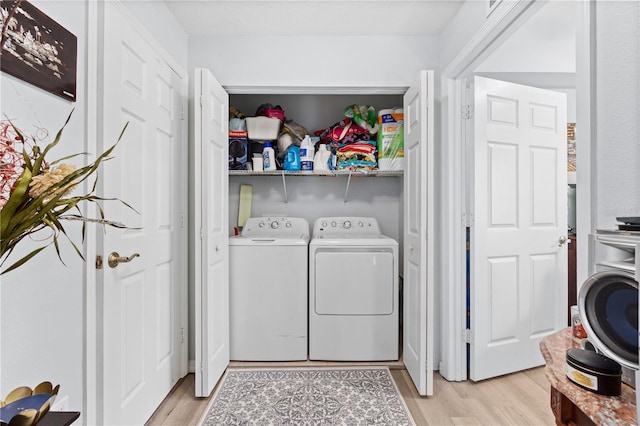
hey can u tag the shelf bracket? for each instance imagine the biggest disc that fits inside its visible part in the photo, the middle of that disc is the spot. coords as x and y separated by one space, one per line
346 192
284 187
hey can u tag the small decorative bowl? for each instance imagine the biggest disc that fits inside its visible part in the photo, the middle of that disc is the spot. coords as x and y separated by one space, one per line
24 406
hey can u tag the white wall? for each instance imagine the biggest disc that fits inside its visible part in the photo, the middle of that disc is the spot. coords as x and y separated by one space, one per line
311 197
42 310
314 61
467 22
618 111
546 43
160 22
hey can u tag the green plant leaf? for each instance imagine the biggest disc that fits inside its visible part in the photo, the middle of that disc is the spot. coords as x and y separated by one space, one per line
17 198
23 214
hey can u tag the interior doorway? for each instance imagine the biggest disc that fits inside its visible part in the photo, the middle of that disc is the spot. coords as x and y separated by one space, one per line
511 56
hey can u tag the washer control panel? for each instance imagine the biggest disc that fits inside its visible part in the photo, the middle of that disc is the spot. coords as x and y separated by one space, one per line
275 227
345 226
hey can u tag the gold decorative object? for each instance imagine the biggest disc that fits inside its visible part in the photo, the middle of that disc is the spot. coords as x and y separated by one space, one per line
29 416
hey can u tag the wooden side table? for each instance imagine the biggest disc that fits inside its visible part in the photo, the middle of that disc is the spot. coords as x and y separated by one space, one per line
573 405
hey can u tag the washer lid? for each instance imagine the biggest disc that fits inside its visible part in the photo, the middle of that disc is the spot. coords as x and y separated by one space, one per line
239 240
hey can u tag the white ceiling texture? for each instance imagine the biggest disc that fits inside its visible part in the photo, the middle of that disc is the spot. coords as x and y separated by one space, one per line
314 17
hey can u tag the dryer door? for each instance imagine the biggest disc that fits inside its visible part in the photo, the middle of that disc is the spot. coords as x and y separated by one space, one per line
354 282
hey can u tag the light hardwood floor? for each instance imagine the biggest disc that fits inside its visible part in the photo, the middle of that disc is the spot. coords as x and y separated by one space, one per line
515 399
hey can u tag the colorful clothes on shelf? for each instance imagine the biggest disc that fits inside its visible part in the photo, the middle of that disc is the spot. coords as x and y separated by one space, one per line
357 156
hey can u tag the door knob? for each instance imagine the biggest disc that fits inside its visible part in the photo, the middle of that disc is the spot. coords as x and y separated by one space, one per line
562 240
115 259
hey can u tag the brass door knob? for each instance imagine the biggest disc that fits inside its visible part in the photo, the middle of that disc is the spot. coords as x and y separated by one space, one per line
115 259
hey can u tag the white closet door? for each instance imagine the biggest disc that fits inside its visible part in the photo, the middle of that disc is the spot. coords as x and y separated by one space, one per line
141 342
519 255
418 233
211 251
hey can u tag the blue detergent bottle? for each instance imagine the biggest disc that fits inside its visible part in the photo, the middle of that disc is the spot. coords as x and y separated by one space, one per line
292 160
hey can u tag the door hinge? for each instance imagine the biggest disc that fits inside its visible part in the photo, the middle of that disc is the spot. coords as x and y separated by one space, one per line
99 262
181 220
182 335
182 112
201 100
467 112
467 219
467 336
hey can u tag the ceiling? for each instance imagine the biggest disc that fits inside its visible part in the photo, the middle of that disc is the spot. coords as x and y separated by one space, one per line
314 17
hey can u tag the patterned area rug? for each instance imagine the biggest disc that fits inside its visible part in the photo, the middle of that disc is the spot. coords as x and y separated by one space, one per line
310 396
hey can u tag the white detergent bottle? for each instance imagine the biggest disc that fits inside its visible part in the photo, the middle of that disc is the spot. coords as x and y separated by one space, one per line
306 154
268 157
321 159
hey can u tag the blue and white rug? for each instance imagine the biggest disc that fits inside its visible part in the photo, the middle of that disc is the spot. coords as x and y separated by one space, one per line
305 397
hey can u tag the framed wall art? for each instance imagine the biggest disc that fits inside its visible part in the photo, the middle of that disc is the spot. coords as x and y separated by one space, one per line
37 49
571 147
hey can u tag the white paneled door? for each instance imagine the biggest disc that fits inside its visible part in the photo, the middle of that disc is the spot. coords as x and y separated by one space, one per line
418 303
518 239
141 317
211 251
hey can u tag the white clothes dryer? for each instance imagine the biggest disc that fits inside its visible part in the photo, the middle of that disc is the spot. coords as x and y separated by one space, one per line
268 273
353 291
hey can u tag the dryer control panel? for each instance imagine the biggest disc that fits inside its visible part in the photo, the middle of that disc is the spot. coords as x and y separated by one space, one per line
345 226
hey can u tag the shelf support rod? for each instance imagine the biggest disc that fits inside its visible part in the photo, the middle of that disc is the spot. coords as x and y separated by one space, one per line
346 192
284 187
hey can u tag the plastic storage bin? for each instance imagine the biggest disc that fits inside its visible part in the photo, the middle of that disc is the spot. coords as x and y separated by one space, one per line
263 128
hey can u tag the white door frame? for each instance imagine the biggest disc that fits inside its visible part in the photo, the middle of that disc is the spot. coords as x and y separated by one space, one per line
93 303
91 383
502 22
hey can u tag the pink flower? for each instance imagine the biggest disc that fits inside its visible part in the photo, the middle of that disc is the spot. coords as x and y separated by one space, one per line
11 162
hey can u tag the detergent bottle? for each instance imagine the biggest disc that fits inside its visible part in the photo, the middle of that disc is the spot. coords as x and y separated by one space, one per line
306 154
321 159
269 157
292 160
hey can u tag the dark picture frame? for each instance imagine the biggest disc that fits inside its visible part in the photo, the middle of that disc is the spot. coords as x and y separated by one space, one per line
37 49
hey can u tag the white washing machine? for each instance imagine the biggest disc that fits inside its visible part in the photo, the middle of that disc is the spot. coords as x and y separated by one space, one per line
353 291
268 284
